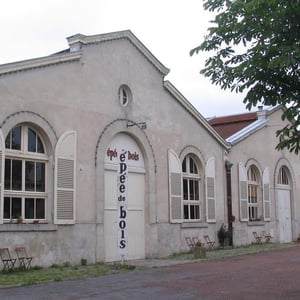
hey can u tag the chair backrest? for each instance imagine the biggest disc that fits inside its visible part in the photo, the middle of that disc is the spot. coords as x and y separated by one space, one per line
196 240
189 241
207 239
21 252
4 253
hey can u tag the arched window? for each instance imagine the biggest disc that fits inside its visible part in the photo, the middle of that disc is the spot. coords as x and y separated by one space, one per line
253 193
25 175
191 189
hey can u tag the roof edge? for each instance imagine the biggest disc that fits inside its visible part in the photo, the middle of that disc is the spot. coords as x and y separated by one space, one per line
38 62
246 131
76 41
194 112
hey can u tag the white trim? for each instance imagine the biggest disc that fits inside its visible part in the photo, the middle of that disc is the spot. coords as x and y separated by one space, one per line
38 63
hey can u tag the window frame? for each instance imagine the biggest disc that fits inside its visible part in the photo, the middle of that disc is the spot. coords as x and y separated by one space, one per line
24 155
190 178
254 198
125 95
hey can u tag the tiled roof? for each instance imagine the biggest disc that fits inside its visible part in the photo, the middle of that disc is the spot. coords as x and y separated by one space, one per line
228 125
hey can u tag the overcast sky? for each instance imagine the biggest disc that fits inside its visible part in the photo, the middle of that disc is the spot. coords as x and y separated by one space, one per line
168 28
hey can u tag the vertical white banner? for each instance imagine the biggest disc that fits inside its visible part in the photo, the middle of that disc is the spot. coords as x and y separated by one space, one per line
122 203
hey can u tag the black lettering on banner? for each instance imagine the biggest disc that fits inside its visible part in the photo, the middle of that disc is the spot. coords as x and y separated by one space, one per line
121 198
122 224
123 168
122 203
122 188
122 213
122 234
122 244
122 178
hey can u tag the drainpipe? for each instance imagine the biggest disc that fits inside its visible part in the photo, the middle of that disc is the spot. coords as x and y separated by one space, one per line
228 166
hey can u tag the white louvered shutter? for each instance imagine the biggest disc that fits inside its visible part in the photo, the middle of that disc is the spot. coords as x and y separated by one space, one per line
210 174
2 160
243 193
266 194
65 179
175 187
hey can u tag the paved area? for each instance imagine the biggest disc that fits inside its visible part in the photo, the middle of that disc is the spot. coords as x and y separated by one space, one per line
270 275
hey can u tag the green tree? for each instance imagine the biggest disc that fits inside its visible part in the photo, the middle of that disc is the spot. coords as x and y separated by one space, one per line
255 46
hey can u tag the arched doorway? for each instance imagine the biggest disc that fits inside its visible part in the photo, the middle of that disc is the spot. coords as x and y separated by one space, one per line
283 191
124 208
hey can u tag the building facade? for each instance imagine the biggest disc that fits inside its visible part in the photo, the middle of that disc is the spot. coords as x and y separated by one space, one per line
102 158
265 182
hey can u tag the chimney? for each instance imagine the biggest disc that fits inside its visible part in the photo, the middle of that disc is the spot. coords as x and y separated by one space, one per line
261 114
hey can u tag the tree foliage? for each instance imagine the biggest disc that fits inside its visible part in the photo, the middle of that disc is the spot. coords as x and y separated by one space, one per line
255 46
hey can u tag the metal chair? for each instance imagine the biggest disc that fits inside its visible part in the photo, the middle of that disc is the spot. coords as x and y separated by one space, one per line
258 238
210 244
7 260
24 259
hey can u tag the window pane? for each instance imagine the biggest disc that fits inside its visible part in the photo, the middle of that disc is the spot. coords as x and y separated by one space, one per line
185 189
186 211
16 138
29 208
31 140
192 209
40 208
29 175
192 191
40 147
197 212
196 190
16 207
6 213
184 165
40 177
7 174
16 176
13 139
124 97
193 166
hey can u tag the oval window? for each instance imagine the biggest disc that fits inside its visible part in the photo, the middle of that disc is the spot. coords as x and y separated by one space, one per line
124 95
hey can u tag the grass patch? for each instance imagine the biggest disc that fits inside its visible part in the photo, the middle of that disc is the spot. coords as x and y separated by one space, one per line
58 273
228 252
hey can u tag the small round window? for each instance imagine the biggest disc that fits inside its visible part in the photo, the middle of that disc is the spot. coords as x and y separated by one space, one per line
124 95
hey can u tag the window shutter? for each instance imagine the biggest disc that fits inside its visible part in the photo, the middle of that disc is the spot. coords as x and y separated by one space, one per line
175 187
243 192
266 194
210 174
2 160
65 179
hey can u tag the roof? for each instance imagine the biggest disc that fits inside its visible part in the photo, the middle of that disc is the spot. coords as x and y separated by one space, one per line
226 126
74 53
235 128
